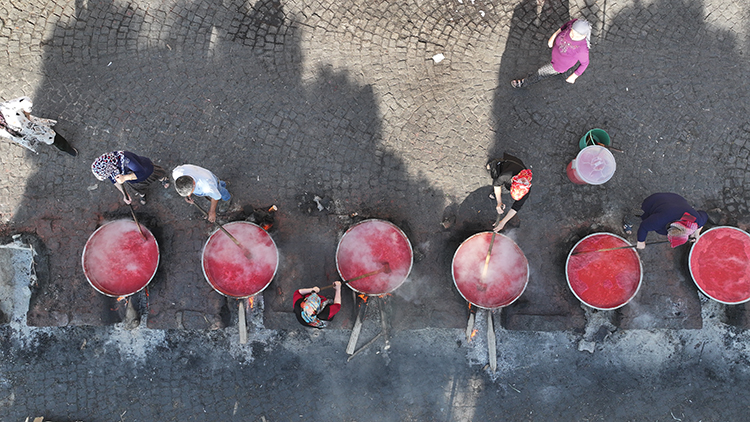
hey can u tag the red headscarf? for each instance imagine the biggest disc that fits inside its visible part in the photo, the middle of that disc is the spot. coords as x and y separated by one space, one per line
687 222
520 184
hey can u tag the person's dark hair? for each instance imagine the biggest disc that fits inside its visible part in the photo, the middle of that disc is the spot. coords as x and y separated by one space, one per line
184 185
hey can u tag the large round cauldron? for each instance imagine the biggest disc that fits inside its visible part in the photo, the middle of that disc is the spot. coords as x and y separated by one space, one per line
604 279
374 246
240 271
720 264
117 261
494 283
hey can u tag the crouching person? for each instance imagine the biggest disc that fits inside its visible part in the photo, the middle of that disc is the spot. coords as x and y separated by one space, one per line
314 310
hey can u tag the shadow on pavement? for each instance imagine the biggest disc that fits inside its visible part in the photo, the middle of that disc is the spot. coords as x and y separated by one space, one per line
648 86
218 85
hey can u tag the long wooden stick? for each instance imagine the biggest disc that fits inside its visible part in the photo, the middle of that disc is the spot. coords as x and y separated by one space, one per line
489 253
491 346
356 330
621 247
247 253
470 324
386 268
365 346
609 147
132 212
242 322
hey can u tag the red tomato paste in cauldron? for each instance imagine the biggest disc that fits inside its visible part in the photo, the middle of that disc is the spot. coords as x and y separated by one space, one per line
720 264
374 245
603 279
117 260
227 267
504 280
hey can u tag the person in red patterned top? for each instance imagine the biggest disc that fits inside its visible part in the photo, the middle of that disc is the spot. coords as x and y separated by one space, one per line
570 45
313 310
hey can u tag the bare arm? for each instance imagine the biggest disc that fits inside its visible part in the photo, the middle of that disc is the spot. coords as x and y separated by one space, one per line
694 237
551 41
305 292
505 219
122 178
212 210
125 197
498 197
119 180
337 286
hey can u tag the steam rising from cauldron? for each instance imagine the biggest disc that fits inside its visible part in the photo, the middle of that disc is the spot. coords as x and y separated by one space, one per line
368 247
506 276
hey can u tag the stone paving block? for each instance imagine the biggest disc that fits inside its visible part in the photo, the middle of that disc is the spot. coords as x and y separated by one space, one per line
668 298
547 304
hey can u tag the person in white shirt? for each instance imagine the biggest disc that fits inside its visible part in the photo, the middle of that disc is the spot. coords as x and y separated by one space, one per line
193 180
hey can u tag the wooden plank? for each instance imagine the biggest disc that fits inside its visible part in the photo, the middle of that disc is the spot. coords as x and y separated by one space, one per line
357 328
470 324
365 346
491 346
384 324
242 322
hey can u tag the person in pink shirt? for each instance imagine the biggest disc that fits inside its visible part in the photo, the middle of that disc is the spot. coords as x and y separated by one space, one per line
570 45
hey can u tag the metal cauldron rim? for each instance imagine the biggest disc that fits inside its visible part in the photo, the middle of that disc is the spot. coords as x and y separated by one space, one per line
690 267
640 278
85 247
203 266
408 243
453 276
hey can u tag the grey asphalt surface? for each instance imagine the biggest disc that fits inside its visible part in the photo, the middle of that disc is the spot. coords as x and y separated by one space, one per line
288 100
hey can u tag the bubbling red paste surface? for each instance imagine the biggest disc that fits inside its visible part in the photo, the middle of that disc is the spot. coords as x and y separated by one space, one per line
117 261
607 279
228 269
365 248
720 264
506 276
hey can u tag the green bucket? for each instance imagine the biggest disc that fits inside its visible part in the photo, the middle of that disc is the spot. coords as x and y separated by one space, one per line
594 137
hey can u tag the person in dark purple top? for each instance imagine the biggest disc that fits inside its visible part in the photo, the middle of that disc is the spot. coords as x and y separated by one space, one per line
570 45
670 214
124 166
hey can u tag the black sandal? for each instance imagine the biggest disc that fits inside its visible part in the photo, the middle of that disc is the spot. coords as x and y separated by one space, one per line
627 225
517 83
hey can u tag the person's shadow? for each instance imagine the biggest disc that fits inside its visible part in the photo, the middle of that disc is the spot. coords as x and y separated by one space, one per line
531 25
217 84
522 128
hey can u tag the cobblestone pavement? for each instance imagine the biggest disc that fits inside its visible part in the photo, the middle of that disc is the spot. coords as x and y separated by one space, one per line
288 100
